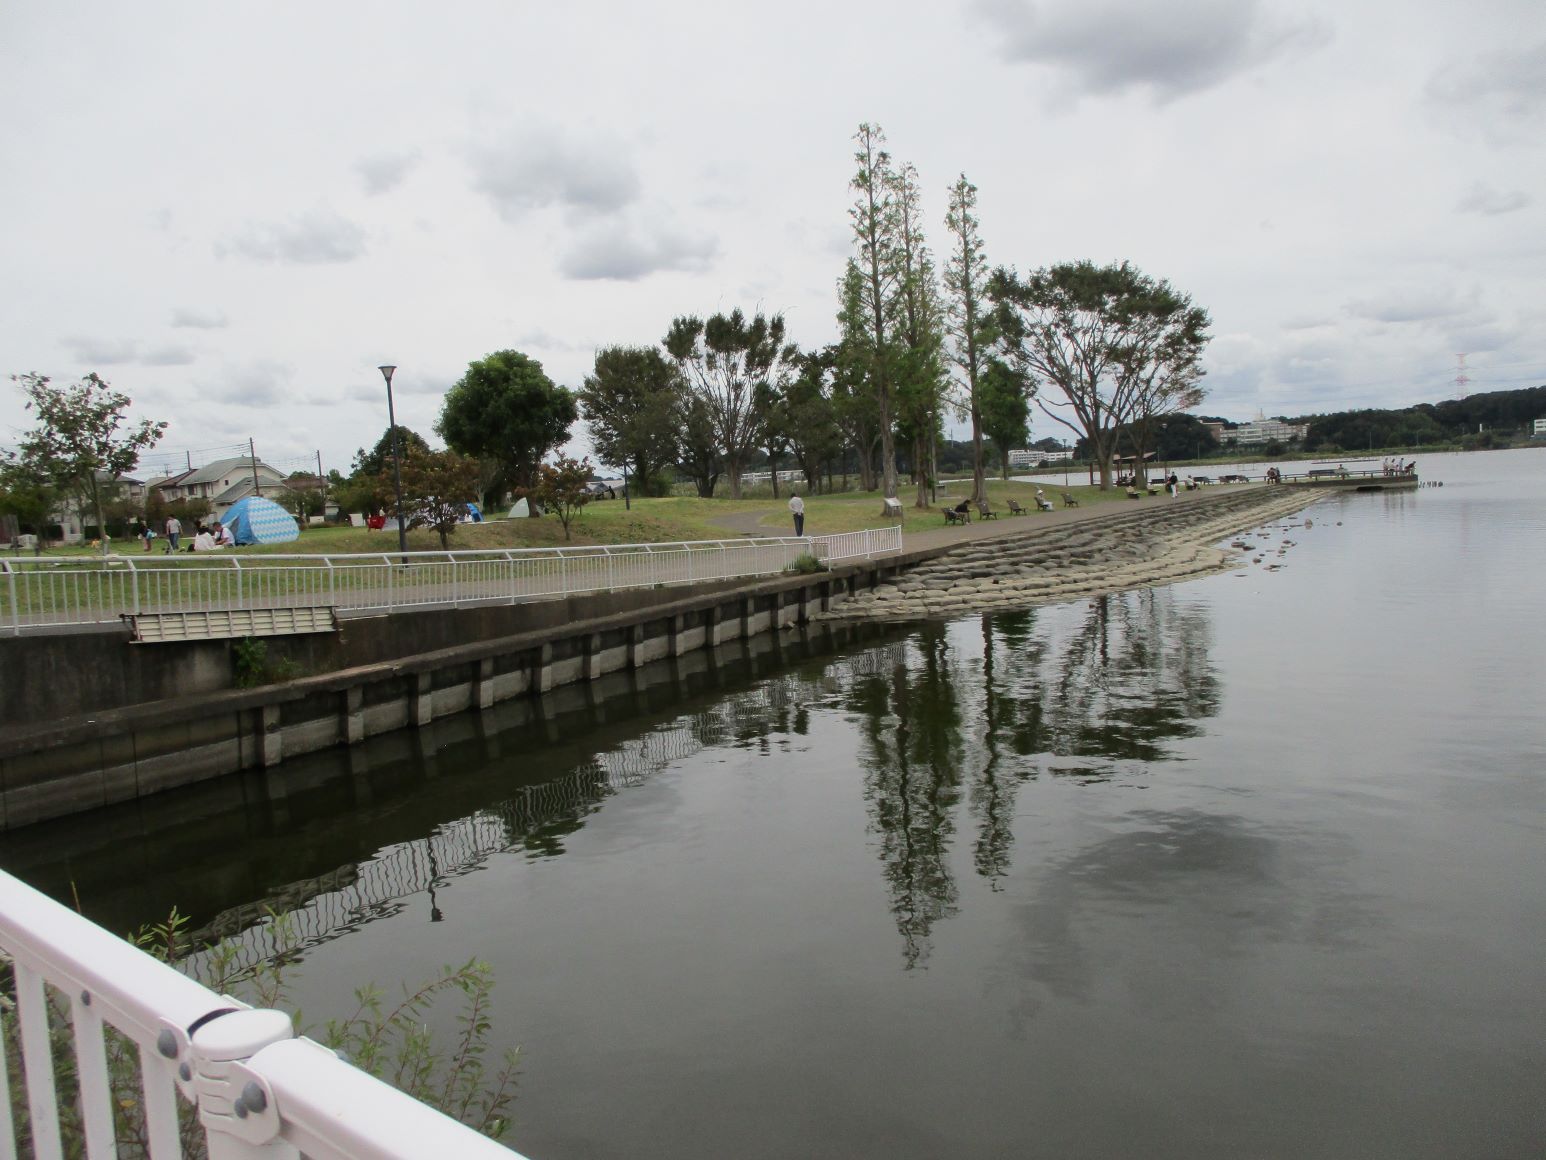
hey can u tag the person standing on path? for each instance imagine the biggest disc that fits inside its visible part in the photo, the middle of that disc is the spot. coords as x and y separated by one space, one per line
797 509
174 529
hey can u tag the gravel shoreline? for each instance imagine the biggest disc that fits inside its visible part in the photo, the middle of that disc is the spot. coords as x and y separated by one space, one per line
1148 546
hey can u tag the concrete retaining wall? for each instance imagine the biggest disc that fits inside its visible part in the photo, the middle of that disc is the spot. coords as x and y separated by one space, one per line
96 758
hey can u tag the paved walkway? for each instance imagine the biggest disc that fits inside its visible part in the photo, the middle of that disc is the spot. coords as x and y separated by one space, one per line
927 529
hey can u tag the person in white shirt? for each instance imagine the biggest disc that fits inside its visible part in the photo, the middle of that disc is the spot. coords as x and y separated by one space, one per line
223 536
797 508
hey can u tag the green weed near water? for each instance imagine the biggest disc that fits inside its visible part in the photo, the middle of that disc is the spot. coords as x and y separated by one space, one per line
391 1041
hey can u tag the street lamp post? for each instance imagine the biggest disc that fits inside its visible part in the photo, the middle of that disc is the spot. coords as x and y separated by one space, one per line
397 465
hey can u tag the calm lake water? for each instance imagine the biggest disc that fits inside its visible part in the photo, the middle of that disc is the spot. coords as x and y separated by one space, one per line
1252 866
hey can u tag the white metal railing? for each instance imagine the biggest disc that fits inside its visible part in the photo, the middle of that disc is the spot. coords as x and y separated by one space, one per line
40 592
259 1090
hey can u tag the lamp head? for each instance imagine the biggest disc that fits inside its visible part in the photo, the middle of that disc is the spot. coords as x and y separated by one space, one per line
386 373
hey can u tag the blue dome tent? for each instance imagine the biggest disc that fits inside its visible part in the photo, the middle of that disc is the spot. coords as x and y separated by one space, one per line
260 521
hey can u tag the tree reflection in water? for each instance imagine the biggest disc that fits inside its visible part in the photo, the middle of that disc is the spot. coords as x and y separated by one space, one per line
912 783
1086 690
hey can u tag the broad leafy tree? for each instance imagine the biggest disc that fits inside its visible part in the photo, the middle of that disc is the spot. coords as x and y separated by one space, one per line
631 402
1160 362
970 314
437 487
301 502
507 410
868 309
26 495
84 439
697 445
561 489
1095 335
724 359
379 458
810 415
1005 409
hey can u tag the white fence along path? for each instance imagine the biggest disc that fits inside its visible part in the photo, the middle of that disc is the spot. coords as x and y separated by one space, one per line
260 1091
45 592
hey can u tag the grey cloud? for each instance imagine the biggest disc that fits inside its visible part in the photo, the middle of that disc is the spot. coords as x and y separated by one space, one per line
1483 199
540 169
540 339
625 253
169 356
200 319
383 172
261 383
101 351
1420 304
317 237
1480 337
1503 92
1112 45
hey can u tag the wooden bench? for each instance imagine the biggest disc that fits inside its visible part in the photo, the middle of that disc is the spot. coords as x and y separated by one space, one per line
1015 509
954 517
1069 500
984 512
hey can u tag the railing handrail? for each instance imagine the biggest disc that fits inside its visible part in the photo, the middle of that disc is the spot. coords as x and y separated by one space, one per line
311 1099
72 590
236 558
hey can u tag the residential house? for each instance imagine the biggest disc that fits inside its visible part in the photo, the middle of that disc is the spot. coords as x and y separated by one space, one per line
74 517
222 483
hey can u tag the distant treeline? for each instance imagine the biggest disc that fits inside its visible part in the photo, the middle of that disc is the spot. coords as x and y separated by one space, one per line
1477 420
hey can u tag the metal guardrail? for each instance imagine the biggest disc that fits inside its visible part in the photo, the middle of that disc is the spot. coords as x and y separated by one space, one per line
260 1091
44 592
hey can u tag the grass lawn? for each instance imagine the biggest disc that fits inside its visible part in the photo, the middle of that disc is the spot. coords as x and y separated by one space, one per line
653 521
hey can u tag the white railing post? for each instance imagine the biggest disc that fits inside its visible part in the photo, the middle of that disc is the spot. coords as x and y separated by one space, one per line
10 574
38 1062
96 1090
237 1108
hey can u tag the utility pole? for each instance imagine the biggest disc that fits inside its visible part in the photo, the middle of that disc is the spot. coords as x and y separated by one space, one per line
257 488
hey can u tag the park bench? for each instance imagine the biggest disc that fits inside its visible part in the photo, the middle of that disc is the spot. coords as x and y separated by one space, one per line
984 512
1069 500
954 517
1015 509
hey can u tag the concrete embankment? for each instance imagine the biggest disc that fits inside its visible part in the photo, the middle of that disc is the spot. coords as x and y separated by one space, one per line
403 671
1160 542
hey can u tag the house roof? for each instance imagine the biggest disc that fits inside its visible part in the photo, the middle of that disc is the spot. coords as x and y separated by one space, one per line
220 469
223 469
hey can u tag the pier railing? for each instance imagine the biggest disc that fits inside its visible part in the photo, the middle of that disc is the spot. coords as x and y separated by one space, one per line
52 591
259 1090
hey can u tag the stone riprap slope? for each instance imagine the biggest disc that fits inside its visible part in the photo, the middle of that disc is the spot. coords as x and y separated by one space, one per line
1154 542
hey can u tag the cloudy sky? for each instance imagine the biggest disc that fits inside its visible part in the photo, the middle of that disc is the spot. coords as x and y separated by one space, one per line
236 212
